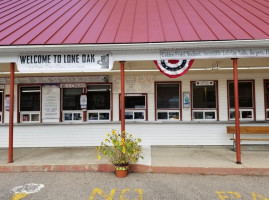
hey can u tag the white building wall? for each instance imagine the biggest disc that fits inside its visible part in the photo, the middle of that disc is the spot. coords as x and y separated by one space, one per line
151 132
259 99
223 99
63 135
186 112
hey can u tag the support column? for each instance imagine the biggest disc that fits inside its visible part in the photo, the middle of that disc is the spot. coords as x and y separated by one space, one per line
122 100
236 109
11 112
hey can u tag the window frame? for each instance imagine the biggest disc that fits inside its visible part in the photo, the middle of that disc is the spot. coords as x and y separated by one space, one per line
72 112
145 110
85 112
2 113
179 110
21 114
98 111
242 109
266 108
204 110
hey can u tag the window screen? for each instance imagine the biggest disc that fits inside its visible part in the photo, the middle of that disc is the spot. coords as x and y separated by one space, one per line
135 102
167 96
1 100
245 93
30 98
98 97
204 96
71 98
267 93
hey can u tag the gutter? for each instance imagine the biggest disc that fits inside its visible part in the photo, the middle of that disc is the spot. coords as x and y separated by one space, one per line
263 43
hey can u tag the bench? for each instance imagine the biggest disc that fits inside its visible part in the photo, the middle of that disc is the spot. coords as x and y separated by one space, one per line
254 130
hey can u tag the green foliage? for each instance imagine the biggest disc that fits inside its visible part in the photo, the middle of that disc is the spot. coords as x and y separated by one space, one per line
119 151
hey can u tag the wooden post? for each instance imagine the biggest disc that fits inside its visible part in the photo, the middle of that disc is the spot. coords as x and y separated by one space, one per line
11 111
236 109
122 101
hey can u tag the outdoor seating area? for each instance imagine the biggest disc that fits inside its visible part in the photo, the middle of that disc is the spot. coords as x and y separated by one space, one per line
247 131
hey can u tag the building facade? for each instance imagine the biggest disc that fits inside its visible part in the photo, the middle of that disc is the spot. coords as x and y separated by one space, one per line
67 55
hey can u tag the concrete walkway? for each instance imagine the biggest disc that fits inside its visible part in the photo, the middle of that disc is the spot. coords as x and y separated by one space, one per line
157 159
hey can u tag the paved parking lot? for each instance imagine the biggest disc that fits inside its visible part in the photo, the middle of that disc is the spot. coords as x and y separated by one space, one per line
137 186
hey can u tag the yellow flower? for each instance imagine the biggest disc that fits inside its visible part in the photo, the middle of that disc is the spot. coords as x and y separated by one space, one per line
99 157
107 135
121 143
122 139
123 150
113 132
106 140
134 150
131 135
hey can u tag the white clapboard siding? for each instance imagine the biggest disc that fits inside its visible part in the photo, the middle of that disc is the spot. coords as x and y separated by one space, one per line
151 132
68 135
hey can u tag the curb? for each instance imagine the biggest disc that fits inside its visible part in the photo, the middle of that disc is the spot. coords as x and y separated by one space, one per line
137 169
213 171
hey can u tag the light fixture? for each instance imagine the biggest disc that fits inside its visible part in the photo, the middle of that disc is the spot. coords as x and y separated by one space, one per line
25 91
215 67
98 90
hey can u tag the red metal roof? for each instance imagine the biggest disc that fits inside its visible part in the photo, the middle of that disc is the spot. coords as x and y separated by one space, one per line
24 22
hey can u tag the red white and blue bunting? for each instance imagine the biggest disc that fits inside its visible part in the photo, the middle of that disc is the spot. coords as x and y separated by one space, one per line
173 68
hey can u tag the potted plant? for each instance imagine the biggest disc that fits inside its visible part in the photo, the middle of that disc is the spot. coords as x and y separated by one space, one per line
120 151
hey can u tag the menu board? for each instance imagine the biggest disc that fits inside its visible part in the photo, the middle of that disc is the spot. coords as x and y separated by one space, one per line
134 84
50 102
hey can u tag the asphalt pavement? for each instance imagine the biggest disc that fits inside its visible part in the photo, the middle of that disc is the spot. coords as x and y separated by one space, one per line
136 186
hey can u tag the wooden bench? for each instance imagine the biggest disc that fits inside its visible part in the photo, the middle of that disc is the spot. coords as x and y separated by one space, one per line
254 130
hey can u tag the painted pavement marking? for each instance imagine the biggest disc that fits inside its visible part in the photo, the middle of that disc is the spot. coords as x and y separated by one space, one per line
112 194
235 195
25 190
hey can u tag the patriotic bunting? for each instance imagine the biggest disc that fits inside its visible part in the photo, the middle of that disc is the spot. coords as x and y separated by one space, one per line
173 68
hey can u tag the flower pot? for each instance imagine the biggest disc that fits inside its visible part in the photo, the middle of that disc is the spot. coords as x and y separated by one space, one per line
121 171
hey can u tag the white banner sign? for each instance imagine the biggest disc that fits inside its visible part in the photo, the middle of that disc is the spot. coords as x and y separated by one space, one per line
76 62
214 53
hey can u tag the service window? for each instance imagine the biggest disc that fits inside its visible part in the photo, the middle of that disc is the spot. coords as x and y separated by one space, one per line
246 100
1 105
98 102
135 106
71 107
168 101
30 103
266 94
204 100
